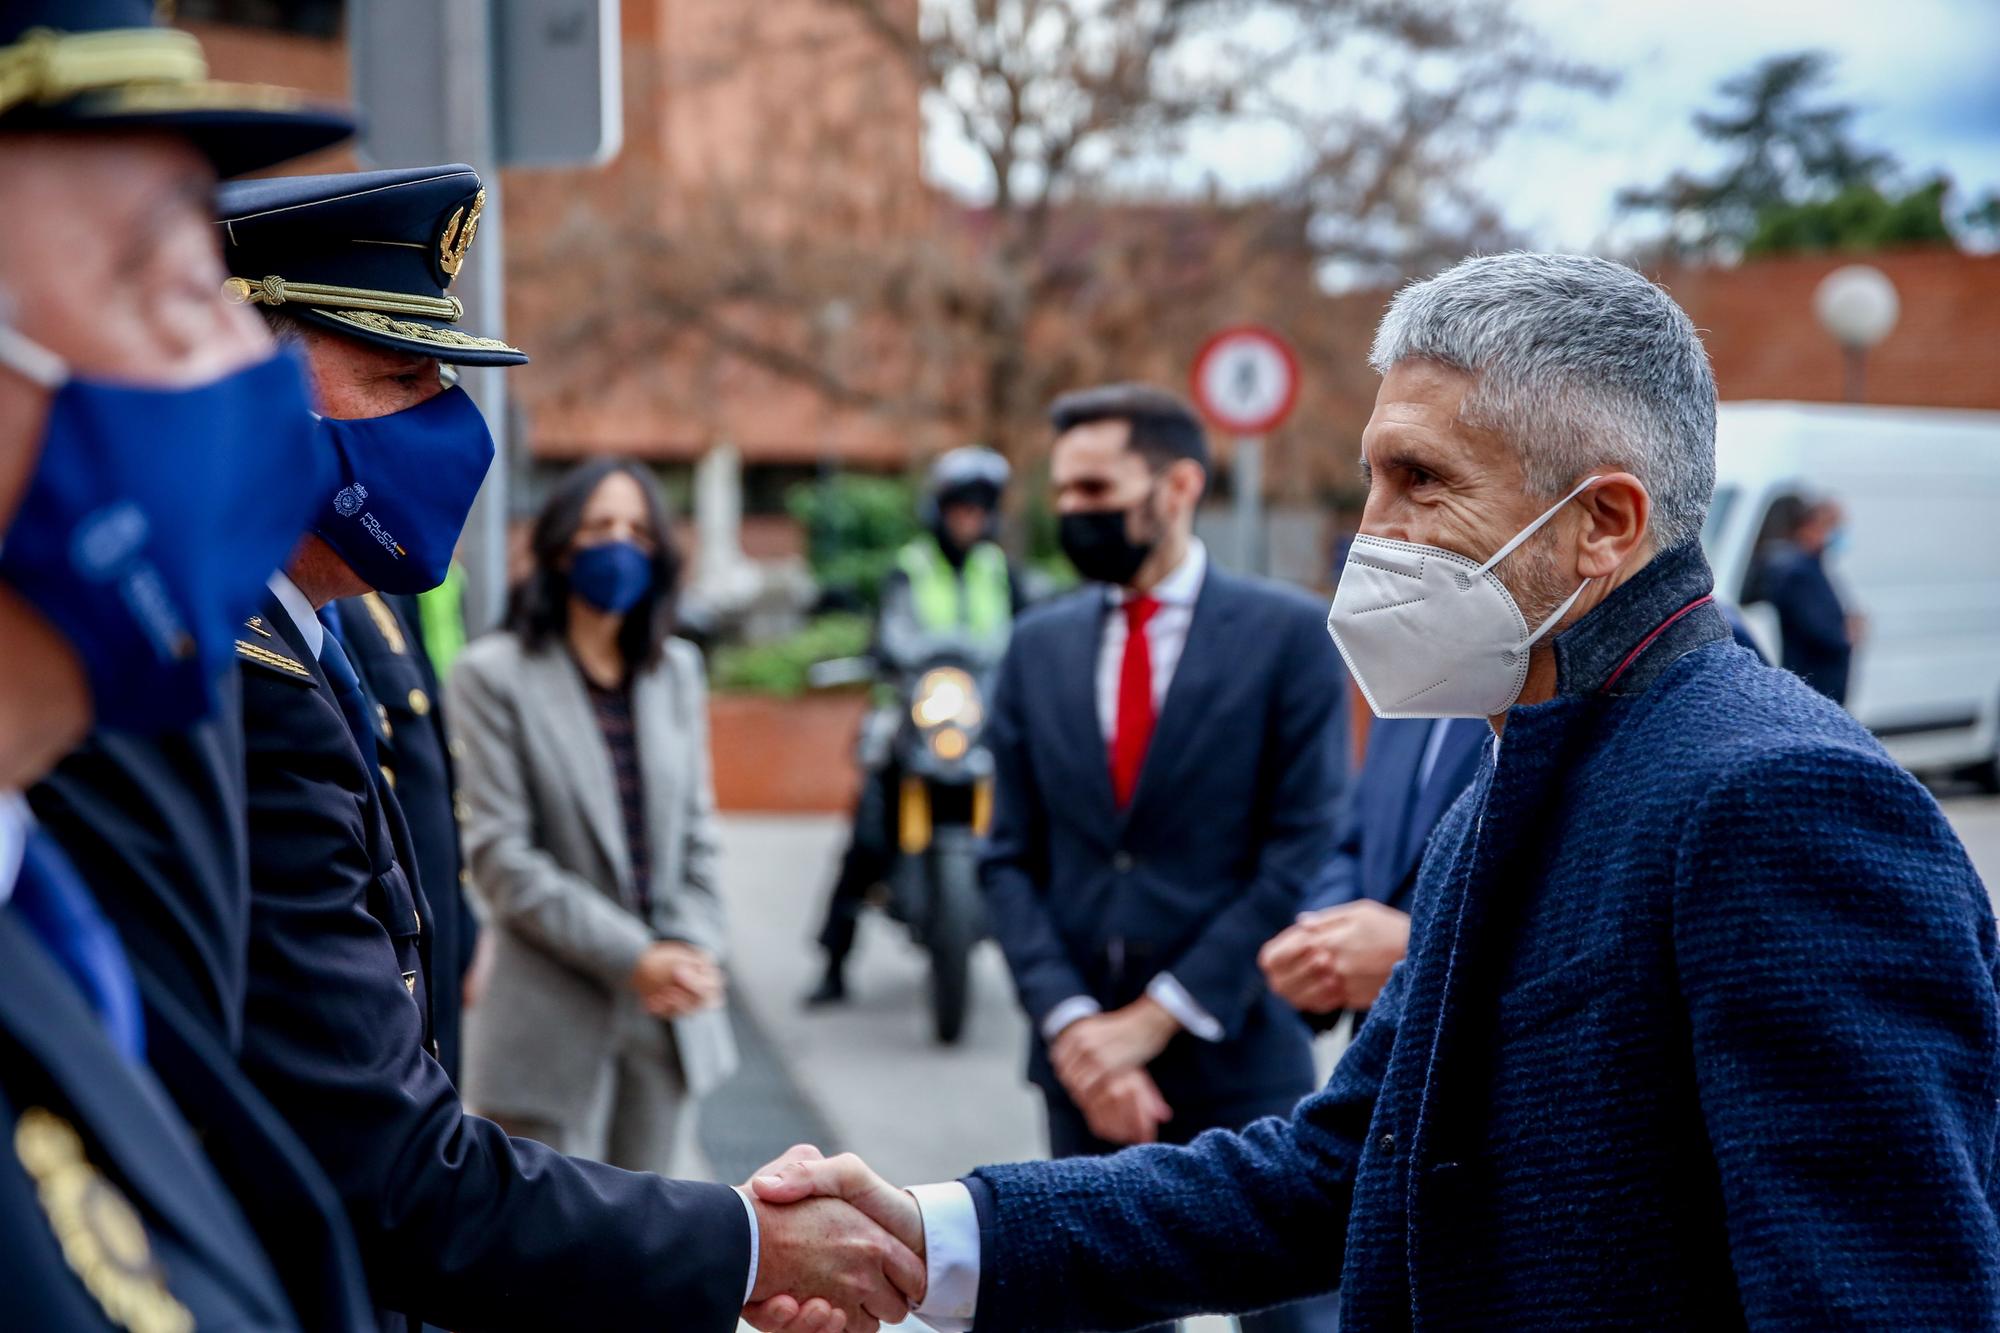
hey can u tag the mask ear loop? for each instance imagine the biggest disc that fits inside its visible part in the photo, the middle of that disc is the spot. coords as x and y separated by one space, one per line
30 359
1521 649
1537 525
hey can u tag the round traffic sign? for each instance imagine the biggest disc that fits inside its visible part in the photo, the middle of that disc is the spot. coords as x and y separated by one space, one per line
1246 379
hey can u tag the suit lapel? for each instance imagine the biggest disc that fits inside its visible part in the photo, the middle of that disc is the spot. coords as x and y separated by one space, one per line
1461 745
660 731
1072 685
1192 690
557 683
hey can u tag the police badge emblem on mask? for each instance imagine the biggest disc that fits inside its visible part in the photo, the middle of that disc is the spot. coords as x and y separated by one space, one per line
406 484
152 520
1428 632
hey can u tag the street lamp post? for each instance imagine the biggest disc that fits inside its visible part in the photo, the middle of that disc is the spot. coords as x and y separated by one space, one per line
1857 305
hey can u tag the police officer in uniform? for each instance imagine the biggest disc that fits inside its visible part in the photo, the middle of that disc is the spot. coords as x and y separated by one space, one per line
953 581
138 416
461 1226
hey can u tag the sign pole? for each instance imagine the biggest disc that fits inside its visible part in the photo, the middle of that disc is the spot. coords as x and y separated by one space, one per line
1247 483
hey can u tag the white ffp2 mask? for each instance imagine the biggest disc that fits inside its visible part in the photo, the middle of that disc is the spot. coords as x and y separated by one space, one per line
1431 633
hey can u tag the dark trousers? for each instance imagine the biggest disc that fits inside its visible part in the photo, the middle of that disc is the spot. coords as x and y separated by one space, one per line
1070 1136
870 856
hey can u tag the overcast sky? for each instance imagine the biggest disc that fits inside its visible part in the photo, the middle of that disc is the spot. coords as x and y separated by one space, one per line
1925 74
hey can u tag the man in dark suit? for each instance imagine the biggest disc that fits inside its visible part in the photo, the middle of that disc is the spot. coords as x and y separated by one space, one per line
1355 926
1816 632
460 1224
1167 744
113 1208
381 639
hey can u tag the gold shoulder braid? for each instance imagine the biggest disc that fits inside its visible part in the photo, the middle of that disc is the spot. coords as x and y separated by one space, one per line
385 622
251 652
103 1241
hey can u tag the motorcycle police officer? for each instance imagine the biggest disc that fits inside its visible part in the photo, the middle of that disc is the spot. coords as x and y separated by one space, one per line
952 579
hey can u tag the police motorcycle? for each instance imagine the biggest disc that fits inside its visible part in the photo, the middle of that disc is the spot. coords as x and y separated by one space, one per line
932 734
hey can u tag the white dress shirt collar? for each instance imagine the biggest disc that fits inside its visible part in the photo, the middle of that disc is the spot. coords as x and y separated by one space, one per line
300 609
15 822
1182 585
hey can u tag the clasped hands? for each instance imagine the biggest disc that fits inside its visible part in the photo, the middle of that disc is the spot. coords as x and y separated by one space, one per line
1101 1062
1337 957
673 978
840 1249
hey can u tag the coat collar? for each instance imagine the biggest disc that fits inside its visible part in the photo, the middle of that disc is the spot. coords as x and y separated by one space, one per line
1647 624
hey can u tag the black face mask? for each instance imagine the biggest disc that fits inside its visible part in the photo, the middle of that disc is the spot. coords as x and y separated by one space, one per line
1099 543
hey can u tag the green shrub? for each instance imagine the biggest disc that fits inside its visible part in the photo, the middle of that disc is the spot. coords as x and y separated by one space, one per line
780 667
854 526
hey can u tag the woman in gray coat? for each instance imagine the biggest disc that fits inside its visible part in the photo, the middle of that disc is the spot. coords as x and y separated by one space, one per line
589 832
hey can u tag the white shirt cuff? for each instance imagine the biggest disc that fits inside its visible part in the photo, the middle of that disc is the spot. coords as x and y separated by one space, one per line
951 1256
1165 991
756 1248
1069 1011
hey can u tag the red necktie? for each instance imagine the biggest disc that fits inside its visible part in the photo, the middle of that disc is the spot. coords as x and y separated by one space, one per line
1134 731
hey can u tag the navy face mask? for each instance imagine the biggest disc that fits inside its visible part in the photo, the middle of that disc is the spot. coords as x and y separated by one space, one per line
405 486
153 518
611 576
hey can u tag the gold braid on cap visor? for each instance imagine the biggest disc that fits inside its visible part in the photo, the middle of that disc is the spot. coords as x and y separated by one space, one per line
369 310
275 291
46 67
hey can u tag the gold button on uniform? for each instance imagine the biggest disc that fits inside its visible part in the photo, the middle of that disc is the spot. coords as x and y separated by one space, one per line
420 703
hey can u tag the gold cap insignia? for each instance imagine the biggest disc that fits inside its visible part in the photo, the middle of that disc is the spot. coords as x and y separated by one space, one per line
451 249
103 1241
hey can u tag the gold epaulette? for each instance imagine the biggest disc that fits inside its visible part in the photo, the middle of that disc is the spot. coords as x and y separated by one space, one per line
262 656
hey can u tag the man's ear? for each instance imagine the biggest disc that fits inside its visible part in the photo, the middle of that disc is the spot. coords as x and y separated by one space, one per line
1189 480
1616 512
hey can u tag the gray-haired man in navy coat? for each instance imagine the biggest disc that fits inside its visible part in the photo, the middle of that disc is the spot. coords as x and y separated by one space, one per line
1698 1026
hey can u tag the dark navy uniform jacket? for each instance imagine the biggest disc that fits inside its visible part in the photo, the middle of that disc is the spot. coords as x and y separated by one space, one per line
98 1170
156 825
459 1225
413 753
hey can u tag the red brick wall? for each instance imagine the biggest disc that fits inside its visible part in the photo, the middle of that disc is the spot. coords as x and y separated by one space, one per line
1758 322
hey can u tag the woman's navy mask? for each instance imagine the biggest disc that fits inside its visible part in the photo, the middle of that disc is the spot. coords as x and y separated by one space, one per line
611 576
405 486
154 518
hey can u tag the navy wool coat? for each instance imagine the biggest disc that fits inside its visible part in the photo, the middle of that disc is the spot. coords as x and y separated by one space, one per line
1698 1030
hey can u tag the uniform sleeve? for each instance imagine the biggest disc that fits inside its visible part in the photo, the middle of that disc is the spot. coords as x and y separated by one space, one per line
520 885
458 1224
1836 957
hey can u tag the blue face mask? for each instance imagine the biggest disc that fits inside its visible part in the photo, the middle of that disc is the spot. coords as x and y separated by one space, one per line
153 518
611 576
1837 542
406 483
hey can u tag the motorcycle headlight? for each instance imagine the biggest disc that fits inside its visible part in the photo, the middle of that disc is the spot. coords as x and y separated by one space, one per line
949 744
946 696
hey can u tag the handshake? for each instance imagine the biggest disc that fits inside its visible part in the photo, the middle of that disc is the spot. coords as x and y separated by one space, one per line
840 1249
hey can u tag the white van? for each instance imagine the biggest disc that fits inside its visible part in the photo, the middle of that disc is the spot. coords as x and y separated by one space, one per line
1921 488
